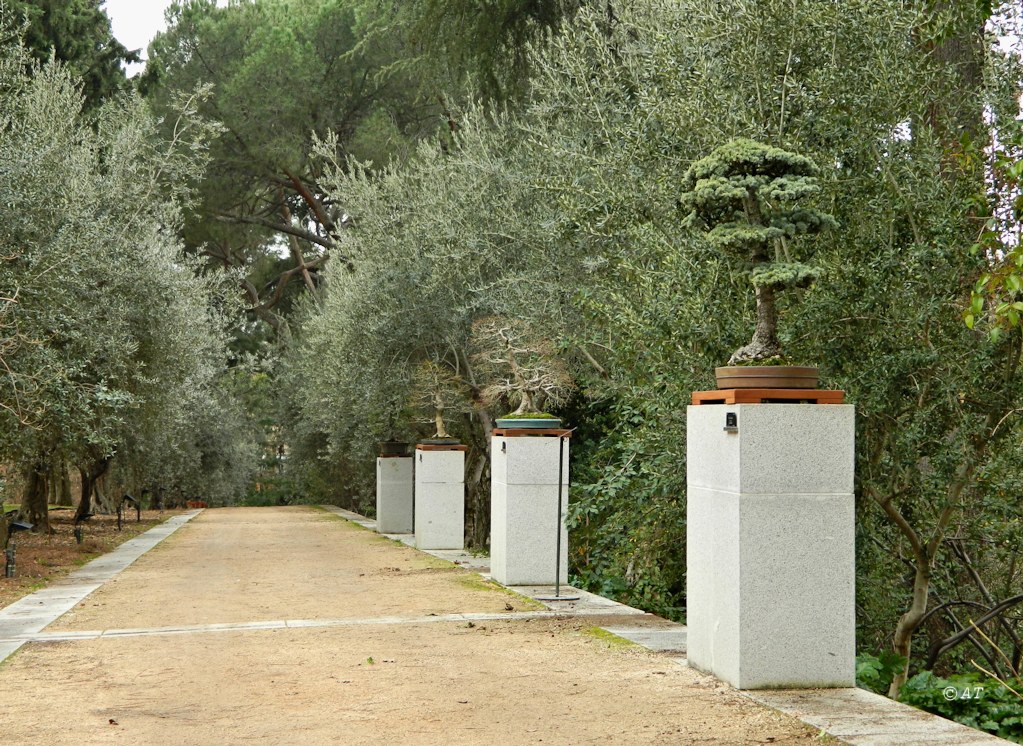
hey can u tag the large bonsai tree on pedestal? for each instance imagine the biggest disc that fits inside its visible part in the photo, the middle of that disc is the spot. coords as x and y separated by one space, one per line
744 195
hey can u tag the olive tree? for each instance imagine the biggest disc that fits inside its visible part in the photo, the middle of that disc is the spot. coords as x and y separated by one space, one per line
112 325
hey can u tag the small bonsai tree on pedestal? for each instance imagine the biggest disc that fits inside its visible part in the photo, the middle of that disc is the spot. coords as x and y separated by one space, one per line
519 365
744 196
438 389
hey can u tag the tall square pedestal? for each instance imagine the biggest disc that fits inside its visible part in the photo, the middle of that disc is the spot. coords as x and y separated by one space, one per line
524 526
394 495
770 544
440 497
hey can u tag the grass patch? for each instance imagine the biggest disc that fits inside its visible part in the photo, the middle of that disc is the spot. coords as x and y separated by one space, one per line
429 562
328 515
475 582
608 638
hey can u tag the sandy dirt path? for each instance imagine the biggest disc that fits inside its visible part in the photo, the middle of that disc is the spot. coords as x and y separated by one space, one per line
418 681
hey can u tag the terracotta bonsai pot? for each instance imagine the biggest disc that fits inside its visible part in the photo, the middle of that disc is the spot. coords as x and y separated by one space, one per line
766 377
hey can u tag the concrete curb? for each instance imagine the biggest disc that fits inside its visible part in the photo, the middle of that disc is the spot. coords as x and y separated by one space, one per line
852 716
31 614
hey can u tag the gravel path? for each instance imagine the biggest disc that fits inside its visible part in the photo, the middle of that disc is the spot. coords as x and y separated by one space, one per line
292 626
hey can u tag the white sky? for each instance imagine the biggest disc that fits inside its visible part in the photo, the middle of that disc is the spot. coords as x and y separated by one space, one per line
135 23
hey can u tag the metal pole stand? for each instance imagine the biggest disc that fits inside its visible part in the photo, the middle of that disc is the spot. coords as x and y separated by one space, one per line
9 567
557 554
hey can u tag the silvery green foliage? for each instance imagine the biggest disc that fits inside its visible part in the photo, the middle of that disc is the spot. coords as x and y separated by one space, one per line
436 244
113 344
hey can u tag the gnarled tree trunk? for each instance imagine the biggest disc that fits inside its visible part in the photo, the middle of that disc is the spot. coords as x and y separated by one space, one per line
60 484
90 473
35 499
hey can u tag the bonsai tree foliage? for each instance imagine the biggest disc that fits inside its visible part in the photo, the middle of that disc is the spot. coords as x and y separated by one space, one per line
438 389
518 364
744 196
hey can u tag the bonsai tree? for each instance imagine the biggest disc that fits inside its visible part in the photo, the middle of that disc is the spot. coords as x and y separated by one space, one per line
519 365
438 389
744 195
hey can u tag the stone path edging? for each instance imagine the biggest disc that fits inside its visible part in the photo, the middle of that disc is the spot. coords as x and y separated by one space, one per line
27 616
188 629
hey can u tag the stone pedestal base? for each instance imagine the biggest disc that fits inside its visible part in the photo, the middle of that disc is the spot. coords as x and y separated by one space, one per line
394 495
770 544
440 498
524 525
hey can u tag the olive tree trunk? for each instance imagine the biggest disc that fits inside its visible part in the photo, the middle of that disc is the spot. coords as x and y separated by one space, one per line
90 473
35 499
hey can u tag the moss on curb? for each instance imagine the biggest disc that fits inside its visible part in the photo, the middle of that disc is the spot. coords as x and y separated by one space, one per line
608 638
475 582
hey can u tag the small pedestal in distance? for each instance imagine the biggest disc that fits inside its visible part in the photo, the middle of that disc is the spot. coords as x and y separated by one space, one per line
770 544
394 495
524 526
440 497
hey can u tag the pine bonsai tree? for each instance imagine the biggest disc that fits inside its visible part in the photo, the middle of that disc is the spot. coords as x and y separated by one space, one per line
744 196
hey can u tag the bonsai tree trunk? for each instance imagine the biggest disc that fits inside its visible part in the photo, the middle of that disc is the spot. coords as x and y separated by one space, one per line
765 342
526 404
438 416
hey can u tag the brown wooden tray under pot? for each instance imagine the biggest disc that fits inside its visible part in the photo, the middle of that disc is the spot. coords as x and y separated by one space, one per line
769 396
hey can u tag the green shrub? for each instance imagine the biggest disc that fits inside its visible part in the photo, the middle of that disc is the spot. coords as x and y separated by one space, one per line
970 699
875 672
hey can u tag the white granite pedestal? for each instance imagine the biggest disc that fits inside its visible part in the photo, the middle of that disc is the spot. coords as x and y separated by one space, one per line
770 544
394 495
440 497
524 526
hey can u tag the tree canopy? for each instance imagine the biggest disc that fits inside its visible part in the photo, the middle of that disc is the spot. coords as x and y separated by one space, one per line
77 33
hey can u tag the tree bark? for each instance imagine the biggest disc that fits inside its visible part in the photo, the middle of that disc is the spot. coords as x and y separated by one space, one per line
34 501
961 50
91 472
765 342
296 248
478 485
908 623
85 501
60 485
